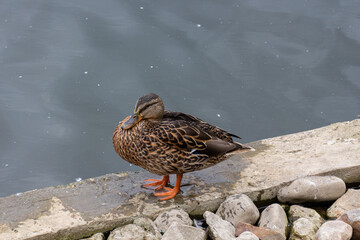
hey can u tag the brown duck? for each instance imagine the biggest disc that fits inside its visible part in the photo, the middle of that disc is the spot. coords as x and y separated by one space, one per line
165 143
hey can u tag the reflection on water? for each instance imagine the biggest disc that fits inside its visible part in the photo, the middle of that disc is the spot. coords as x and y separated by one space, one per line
70 70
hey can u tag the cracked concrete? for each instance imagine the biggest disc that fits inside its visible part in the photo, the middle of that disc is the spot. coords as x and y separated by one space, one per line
103 203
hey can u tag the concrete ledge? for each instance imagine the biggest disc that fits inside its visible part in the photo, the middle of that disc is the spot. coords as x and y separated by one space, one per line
103 203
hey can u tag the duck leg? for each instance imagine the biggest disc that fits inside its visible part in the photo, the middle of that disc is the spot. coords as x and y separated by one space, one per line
171 191
156 182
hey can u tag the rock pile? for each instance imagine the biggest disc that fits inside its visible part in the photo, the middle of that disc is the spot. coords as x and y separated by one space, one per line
238 218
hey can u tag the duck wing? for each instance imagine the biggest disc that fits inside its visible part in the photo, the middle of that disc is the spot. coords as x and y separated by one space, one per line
211 129
190 134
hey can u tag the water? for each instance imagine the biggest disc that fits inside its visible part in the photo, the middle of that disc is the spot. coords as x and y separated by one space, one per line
71 70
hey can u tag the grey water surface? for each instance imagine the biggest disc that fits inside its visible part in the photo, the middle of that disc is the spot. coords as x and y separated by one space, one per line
71 70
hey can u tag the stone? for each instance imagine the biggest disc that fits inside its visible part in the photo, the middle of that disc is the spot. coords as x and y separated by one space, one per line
303 229
165 219
247 236
295 212
312 189
334 230
238 208
352 217
219 229
96 236
131 231
262 233
179 231
274 217
350 200
142 228
149 226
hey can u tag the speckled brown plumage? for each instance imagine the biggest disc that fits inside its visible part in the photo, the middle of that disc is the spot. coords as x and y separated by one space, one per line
164 147
175 143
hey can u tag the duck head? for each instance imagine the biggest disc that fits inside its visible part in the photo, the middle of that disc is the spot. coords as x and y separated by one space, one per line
149 107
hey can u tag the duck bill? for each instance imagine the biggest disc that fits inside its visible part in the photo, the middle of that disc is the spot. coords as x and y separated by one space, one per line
132 121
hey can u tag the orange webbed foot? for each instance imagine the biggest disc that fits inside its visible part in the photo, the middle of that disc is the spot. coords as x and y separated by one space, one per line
171 192
156 182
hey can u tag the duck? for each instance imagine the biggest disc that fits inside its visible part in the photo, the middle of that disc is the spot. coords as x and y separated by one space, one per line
166 142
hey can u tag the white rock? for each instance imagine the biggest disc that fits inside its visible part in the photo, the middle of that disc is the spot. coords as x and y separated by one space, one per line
219 229
312 189
165 219
142 228
295 212
238 208
334 230
179 231
247 236
131 231
303 229
274 217
149 226
96 236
